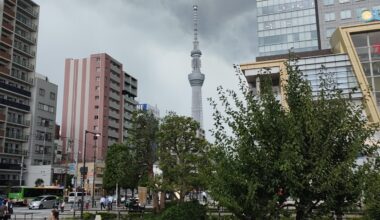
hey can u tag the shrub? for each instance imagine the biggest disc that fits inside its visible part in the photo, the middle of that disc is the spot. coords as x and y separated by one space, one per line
108 216
88 216
185 211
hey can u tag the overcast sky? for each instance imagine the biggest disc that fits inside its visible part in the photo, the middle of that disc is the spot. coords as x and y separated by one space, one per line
153 40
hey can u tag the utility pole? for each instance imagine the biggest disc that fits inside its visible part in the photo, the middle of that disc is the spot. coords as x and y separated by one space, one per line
93 177
68 146
21 168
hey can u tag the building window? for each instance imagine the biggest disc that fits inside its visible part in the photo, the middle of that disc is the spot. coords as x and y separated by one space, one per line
344 1
96 106
45 108
96 116
97 88
97 97
97 69
328 2
97 78
346 14
42 92
52 95
329 32
95 128
330 16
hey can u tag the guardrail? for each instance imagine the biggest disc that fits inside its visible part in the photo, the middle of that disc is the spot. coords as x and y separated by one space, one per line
26 215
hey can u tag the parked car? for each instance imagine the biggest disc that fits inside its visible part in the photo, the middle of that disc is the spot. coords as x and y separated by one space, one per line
132 204
42 202
78 195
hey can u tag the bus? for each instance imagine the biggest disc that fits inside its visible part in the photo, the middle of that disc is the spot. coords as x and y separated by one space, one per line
22 195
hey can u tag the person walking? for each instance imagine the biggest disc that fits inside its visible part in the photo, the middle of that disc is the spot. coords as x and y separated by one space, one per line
102 203
204 197
62 206
110 200
54 215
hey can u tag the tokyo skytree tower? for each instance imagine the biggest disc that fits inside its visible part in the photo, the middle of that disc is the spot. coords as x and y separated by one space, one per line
196 78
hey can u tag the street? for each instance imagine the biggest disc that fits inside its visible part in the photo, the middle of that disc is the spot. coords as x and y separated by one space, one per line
25 213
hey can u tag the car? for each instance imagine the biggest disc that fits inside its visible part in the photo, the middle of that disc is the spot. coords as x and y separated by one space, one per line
76 197
132 204
45 201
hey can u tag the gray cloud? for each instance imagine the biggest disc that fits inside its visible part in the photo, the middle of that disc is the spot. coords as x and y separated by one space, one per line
153 40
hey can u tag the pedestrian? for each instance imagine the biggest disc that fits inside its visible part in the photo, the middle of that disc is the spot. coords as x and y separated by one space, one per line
2 210
102 203
204 196
106 203
87 204
54 215
110 200
63 206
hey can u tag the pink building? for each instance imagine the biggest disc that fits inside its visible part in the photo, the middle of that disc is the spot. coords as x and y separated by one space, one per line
98 97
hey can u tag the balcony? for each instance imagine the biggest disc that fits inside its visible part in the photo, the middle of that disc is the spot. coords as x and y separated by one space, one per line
15 89
9 11
15 104
5 55
25 123
28 25
16 136
6 40
22 78
2 115
9 166
12 2
26 38
8 26
25 65
4 70
2 132
14 151
29 10
30 54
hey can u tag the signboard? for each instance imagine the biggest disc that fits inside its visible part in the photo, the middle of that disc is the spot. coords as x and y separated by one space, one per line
71 169
370 15
59 170
83 170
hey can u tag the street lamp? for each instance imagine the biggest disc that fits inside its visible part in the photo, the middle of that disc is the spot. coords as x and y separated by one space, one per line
93 178
83 170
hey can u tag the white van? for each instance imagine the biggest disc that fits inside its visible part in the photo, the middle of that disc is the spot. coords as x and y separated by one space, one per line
72 195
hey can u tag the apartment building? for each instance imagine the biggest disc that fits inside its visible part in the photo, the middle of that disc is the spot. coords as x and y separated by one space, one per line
18 45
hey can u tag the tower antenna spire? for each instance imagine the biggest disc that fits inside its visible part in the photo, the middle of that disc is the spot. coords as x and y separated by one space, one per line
195 20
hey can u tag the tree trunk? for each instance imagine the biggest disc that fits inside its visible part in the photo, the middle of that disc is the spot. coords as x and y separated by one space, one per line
339 214
156 208
300 214
162 201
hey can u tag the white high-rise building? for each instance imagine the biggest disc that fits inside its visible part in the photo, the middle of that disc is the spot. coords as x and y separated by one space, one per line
196 78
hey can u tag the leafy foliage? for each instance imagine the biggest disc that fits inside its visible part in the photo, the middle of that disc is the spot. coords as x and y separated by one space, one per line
186 210
143 141
266 153
120 167
180 153
372 193
39 182
131 163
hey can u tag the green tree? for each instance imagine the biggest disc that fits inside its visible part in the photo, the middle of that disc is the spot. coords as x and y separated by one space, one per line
180 153
306 150
244 172
372 192
39 182
328 133
120 167
142 139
